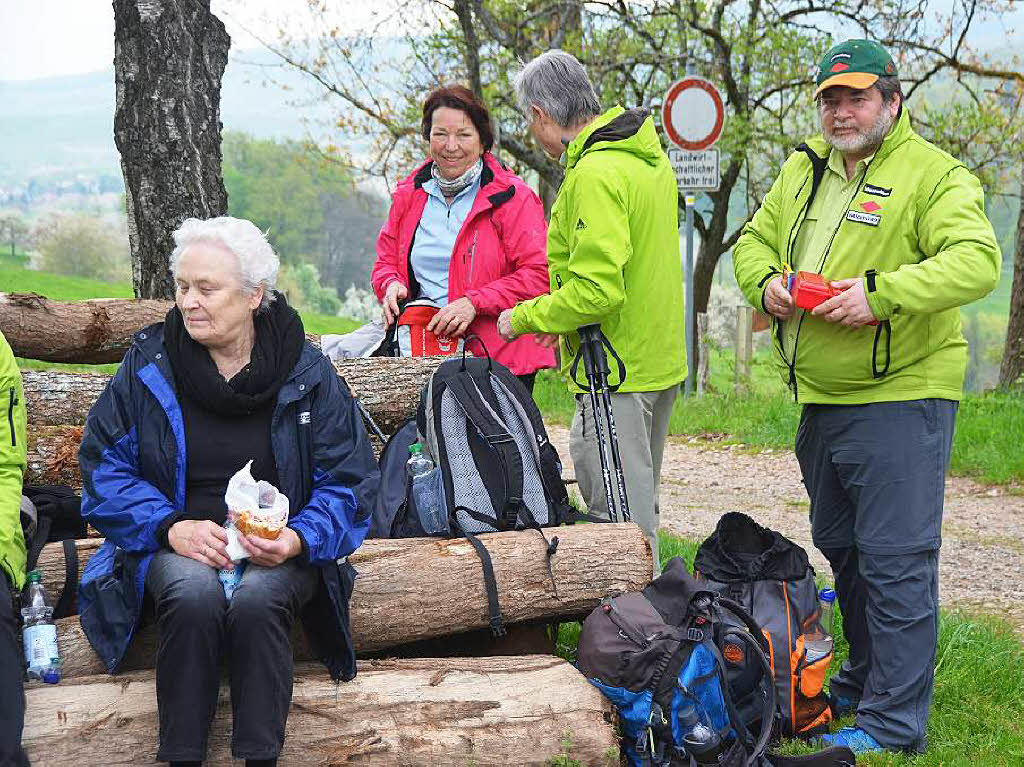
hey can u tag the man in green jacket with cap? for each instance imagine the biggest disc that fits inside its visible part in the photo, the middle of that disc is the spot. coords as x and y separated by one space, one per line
899 227
613 260
12 555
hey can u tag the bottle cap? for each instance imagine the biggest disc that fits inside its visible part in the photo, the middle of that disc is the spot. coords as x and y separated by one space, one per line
35 577
827 595
50 676
415 447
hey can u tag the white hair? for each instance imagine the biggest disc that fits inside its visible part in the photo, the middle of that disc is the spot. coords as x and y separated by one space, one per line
257 262
556 82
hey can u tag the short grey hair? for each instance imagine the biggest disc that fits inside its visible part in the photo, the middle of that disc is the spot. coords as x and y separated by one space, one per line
889 86
556 82
258 264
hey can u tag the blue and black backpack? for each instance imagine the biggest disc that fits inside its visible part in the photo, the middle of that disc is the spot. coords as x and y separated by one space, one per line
661 657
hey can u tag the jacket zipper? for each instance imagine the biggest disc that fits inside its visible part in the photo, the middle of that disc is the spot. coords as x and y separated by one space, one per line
10 415
472 255
626 629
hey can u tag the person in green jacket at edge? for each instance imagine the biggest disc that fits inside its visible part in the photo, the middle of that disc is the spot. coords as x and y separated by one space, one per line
899 227
613 259
12 555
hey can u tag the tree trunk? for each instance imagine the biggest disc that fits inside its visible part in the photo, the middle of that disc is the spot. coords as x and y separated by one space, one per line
1011 371
389 388
484 711
84 332
418 588
168 62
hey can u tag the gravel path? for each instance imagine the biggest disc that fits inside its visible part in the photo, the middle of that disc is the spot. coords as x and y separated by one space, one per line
981 566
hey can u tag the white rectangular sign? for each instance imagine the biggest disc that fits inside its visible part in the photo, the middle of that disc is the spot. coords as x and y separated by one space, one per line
696 171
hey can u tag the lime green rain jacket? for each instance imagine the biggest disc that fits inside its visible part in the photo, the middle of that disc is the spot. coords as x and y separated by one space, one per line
12 466
613 254
917 234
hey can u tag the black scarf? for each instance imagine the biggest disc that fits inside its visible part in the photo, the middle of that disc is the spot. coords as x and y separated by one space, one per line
276 349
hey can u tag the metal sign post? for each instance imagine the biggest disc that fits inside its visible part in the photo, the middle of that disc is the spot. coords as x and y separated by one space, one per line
693 114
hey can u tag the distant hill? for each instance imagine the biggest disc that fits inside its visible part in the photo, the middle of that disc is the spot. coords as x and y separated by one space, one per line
66 124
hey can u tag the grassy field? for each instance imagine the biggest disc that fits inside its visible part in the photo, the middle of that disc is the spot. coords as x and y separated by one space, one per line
977 713
986 446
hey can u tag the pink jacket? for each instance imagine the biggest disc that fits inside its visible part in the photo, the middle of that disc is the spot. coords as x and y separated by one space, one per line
498 260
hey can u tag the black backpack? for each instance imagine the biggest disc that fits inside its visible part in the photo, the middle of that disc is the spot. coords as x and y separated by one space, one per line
494 466
58 517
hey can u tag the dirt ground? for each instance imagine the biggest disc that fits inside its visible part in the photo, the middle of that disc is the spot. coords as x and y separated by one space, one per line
981 565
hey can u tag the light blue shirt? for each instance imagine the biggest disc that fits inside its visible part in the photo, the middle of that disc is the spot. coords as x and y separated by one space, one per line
439 227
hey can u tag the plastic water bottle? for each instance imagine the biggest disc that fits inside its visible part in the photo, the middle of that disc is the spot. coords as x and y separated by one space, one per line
424 491
699 738
818 641
230 579
40 634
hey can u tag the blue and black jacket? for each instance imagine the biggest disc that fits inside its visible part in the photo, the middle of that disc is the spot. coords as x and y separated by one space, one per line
133 465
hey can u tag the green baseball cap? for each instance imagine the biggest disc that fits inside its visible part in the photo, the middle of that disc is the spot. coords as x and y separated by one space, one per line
855 64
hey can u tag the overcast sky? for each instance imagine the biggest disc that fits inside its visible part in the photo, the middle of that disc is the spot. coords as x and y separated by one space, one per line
46 38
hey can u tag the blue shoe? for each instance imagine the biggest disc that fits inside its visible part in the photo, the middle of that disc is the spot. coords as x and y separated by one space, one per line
854 738
842 706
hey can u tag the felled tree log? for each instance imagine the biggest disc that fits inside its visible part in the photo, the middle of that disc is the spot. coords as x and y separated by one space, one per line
484 711
84 332
388 387
418 588
53 456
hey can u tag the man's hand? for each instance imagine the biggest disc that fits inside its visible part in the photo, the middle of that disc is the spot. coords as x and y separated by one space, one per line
201 540
268 553
505 325
849 308
777 300
394 293
453 320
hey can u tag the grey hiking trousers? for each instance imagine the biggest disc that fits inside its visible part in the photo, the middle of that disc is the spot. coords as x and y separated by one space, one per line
875 475
641 421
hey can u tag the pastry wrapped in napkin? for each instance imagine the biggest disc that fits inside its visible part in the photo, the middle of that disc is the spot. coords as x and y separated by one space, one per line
254 508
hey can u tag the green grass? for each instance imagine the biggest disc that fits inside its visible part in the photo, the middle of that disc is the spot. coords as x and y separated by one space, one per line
977 715
986 445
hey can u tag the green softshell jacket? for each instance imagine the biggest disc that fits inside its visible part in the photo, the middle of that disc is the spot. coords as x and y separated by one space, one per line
925 250
613 254
12 466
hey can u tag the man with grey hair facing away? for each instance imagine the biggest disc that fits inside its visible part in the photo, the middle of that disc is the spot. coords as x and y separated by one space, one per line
613 260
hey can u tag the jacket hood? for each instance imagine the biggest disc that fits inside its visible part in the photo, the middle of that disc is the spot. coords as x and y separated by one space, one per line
901 131
626 130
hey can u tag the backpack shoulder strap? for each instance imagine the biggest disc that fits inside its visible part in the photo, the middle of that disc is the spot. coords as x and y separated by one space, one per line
62 609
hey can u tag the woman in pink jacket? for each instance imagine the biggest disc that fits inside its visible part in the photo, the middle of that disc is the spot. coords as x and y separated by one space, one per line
465 233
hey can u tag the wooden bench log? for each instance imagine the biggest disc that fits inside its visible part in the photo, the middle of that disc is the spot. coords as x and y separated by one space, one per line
388 387
483 711
419 588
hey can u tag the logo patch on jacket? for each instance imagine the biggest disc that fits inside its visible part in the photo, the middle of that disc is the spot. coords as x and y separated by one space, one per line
304 417
580 225
863 218
870 206
877 191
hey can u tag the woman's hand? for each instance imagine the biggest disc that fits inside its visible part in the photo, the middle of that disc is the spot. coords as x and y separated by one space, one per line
394 293
505 325
267 553
201 540
453 320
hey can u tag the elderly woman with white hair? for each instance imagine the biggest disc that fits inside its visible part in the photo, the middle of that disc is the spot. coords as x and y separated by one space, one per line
228 377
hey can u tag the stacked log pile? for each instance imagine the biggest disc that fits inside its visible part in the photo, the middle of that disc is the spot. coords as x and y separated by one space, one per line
487 710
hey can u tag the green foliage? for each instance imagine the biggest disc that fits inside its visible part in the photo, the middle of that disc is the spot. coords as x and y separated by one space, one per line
83 246
301 284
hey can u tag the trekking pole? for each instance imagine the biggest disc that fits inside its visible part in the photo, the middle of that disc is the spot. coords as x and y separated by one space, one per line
596 367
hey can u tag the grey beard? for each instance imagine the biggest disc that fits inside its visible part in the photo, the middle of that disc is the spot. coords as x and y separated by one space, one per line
864 140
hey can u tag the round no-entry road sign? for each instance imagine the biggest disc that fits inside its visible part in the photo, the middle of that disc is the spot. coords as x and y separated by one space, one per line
693 114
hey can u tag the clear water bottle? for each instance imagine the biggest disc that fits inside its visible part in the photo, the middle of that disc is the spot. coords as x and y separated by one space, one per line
818 641
425 491
699 739
230 579
40 634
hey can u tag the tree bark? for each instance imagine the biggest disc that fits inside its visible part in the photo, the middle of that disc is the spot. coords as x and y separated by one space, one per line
484 711
388 387
53 456
419 588
168 62
1011 371
83 332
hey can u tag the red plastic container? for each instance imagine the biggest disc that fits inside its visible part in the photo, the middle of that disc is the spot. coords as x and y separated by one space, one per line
809 289
414 338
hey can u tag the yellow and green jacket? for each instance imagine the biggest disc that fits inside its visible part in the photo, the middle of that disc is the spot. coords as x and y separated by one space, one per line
613 254
12 466
913 226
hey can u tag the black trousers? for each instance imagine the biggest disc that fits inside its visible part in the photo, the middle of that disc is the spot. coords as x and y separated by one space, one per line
12 693
253 631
